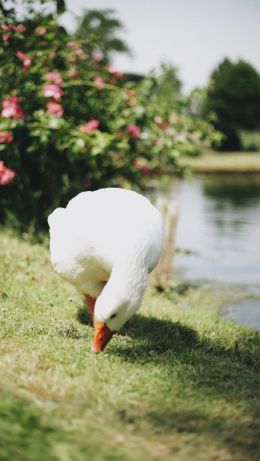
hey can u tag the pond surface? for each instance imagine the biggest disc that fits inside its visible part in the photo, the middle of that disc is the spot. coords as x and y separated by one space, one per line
219 225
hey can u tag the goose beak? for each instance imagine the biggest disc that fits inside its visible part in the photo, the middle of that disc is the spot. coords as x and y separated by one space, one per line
102 335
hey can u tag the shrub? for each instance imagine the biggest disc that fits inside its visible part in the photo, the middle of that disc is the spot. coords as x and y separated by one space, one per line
70 122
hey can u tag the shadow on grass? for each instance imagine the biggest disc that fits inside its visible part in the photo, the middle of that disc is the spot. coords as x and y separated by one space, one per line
240 438
83 315
212 370
162 336
150 333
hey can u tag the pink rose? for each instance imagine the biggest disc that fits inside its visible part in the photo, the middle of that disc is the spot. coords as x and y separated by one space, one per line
19 28
5 137
55 109
55 77
80 54
134 131
163 125
5 27
71 44
6 174
52 91
141 166
97 57
25 59
73 73
113 70
158 119
12 109
90 126
6 37
99 82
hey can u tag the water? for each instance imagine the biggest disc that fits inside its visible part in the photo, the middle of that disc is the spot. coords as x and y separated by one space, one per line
245 313
219 223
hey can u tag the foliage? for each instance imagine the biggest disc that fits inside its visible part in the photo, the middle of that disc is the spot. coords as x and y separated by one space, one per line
8 7
250 140
71 122
100 28
168 92
234 96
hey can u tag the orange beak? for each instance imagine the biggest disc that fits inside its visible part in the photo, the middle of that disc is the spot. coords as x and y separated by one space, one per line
102 335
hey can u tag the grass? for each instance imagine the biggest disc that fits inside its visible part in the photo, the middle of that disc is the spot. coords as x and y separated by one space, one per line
177 383
250 140
224 162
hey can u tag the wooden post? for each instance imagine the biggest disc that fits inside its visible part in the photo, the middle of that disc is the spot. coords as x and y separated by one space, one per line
162 276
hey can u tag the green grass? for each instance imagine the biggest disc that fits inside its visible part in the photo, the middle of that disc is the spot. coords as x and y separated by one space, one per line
224 162
250 140
177 383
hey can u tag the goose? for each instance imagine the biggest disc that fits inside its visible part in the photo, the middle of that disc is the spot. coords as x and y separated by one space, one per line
105 243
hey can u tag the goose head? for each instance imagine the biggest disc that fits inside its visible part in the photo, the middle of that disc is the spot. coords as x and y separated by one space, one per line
119 300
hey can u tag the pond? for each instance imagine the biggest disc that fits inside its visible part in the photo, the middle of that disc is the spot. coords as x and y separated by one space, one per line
218 233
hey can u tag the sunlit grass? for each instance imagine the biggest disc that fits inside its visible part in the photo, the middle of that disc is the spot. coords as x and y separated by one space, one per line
224 162
177 383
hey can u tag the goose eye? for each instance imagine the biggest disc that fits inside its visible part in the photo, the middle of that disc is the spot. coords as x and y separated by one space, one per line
112 316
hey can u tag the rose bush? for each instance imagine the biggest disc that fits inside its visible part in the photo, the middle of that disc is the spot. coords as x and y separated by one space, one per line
69 122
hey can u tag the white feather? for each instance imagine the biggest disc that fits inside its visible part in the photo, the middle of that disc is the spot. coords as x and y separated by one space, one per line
105 243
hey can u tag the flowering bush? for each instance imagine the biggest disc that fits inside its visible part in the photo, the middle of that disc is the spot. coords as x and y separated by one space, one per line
69 122
6 174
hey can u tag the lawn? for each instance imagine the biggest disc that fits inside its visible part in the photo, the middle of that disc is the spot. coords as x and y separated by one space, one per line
179 383
224 162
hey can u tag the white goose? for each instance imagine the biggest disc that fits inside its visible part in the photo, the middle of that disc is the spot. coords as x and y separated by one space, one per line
105 243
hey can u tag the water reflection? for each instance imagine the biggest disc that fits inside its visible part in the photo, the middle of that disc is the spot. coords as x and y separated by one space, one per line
219 222
236 190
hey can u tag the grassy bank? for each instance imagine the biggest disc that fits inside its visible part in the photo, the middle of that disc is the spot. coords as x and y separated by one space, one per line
178 383
225 162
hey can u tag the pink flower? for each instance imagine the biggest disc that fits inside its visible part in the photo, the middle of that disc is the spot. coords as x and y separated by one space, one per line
134 131
6 37
5 27
90 126
78 50
71 44
26 60
163 125
6 136
114 71
19 28
99 82
55 109
6 174
55 77
80 53
141 166
73 73
158 119
12 109
52 91
97 57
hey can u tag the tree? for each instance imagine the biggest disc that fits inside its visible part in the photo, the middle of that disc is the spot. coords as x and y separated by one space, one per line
233 95
100 28
8 7
169 86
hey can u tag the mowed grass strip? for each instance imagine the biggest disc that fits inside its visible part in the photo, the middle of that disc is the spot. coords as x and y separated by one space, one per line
177 383
224 162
